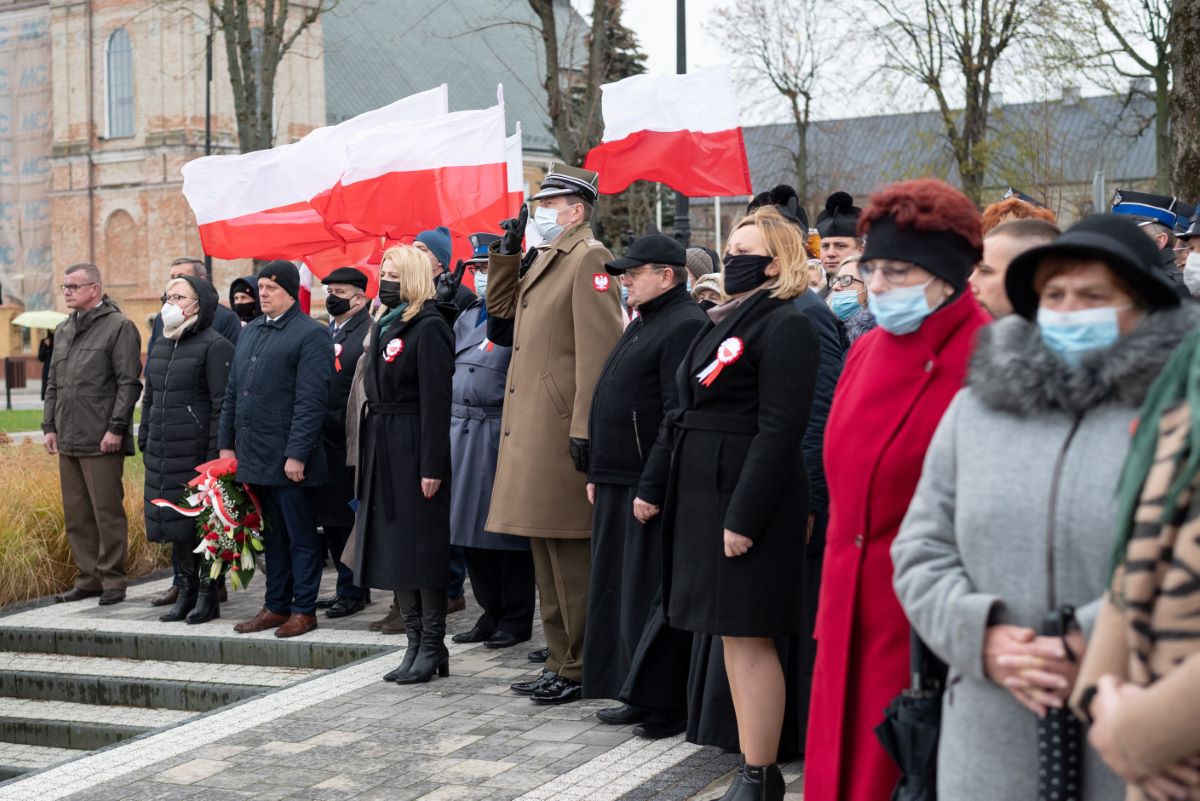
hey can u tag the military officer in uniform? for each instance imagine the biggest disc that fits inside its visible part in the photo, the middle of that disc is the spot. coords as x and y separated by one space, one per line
350 320
1157 216
562 316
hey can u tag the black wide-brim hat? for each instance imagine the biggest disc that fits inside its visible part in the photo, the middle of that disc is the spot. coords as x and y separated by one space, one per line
1115 240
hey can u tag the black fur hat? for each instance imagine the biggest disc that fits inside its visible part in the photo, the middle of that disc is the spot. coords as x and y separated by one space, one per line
786 201
840 216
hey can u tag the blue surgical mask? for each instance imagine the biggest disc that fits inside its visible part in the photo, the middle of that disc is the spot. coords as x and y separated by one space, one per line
481 284
902 310
1070 334
845 304
625 295
546 222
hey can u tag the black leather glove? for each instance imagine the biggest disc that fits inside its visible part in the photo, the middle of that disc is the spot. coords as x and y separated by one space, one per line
514 233
447 288
580 452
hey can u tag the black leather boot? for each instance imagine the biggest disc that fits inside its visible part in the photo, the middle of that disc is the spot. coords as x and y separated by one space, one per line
409 604
758 783
433 656
208 607
410 656
184 603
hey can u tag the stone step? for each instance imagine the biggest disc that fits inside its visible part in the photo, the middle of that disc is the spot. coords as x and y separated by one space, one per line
194 646
16 758
152 669
73 725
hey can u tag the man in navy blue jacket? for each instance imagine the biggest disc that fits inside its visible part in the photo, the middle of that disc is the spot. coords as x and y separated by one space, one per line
271 421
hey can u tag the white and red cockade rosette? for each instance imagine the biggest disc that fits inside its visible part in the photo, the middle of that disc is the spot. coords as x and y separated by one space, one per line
728 352
229 520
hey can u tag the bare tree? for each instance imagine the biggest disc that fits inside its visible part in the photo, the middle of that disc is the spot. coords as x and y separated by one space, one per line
1184 35
955 50
258 35
778 40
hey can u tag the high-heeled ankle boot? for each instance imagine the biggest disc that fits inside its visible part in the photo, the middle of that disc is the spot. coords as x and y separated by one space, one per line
757 783
409 604
208 607
433 658
410 656
184 603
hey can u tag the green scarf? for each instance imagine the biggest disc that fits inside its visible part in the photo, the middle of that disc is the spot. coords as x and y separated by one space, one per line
392 316
1179 382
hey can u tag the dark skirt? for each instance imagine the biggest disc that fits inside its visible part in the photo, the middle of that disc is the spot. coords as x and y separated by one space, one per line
625 608
757 594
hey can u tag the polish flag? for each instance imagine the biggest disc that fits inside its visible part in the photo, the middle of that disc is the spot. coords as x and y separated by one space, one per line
406 177
305 298
680 130
516 173
256 205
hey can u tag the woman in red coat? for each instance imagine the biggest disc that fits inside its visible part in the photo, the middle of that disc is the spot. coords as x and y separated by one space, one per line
923 240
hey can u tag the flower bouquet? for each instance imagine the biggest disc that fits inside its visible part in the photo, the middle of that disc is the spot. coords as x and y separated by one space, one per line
229 520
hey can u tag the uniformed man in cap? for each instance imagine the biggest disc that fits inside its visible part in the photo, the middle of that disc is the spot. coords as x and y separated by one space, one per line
1157 216
561 316
1191 263
1185 214
349 321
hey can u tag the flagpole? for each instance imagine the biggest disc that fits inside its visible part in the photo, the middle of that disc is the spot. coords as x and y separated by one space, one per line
683 227
717 221
208 70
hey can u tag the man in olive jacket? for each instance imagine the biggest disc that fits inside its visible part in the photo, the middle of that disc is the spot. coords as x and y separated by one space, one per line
271 420
93 386
562 317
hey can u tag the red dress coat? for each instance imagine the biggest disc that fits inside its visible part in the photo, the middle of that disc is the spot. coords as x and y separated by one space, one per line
892 394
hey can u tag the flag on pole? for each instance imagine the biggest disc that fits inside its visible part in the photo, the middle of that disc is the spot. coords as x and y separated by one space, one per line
516 172
305 298
680 130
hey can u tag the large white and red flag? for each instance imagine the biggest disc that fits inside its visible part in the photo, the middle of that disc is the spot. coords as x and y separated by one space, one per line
256 205
405 177
516 172
680 130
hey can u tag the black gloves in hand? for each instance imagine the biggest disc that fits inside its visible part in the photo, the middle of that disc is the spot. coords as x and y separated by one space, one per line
514 233
580 452
447 287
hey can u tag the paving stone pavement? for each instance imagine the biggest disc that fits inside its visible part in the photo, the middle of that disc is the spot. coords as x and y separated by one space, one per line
345 734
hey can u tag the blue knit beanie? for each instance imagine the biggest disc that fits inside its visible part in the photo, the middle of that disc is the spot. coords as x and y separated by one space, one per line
438 242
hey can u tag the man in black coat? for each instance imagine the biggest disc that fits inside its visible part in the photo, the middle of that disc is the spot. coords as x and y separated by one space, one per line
350 320
225 321
636 388
271 423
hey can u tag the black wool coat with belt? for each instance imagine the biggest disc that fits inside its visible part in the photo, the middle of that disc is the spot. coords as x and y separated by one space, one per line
332 502
401 538
734 461
181 411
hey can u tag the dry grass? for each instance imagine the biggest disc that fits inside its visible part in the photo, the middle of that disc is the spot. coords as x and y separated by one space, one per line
35 559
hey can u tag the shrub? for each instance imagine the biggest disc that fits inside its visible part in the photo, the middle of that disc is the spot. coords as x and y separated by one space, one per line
35 559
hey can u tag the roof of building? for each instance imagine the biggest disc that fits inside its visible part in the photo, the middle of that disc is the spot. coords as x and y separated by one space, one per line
376 54
1048 144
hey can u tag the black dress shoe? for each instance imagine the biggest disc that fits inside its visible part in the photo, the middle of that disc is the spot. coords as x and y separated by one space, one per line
326 602
75 594
110 597
540 655
344 607
658 726
502 639
623 715
557 691
476 634
529 687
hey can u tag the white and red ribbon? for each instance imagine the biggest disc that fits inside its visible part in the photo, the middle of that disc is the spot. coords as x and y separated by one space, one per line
728 352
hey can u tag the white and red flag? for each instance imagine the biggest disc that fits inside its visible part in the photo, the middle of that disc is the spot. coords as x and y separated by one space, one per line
516 173
680 130
405 177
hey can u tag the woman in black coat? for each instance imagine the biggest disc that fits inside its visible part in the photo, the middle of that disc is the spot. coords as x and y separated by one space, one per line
736 508
186 375
402 536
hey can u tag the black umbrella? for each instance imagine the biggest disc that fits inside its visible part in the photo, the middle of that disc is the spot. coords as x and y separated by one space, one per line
1060 734
910 728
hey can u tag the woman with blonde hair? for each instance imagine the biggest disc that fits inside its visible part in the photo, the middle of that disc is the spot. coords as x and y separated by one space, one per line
736 505
402 528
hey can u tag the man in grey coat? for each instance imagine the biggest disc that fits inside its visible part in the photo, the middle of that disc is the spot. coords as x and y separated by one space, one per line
93 386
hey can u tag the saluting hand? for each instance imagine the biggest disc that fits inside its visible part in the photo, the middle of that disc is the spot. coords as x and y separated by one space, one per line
514 232
447 288
736 544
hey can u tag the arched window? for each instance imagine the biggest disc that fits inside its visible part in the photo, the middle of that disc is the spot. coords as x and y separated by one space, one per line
118 70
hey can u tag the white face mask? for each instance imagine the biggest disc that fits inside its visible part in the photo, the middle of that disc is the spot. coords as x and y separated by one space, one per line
481 284
172 315
1191 273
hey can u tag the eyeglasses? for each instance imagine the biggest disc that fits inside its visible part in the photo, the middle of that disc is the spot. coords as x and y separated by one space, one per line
68 289
892 274
176 299
634 272
844 281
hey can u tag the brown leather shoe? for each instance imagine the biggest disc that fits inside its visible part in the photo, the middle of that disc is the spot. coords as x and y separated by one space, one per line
297 625
265 619
168 598
456 605
393 617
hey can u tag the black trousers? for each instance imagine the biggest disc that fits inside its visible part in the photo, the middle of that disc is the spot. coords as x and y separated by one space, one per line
502 582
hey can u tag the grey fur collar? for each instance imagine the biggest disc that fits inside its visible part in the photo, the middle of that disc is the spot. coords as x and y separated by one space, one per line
1013 370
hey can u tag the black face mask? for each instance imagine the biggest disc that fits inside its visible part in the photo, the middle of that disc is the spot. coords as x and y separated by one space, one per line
707 304
743 273
246 311
389 294
337 306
